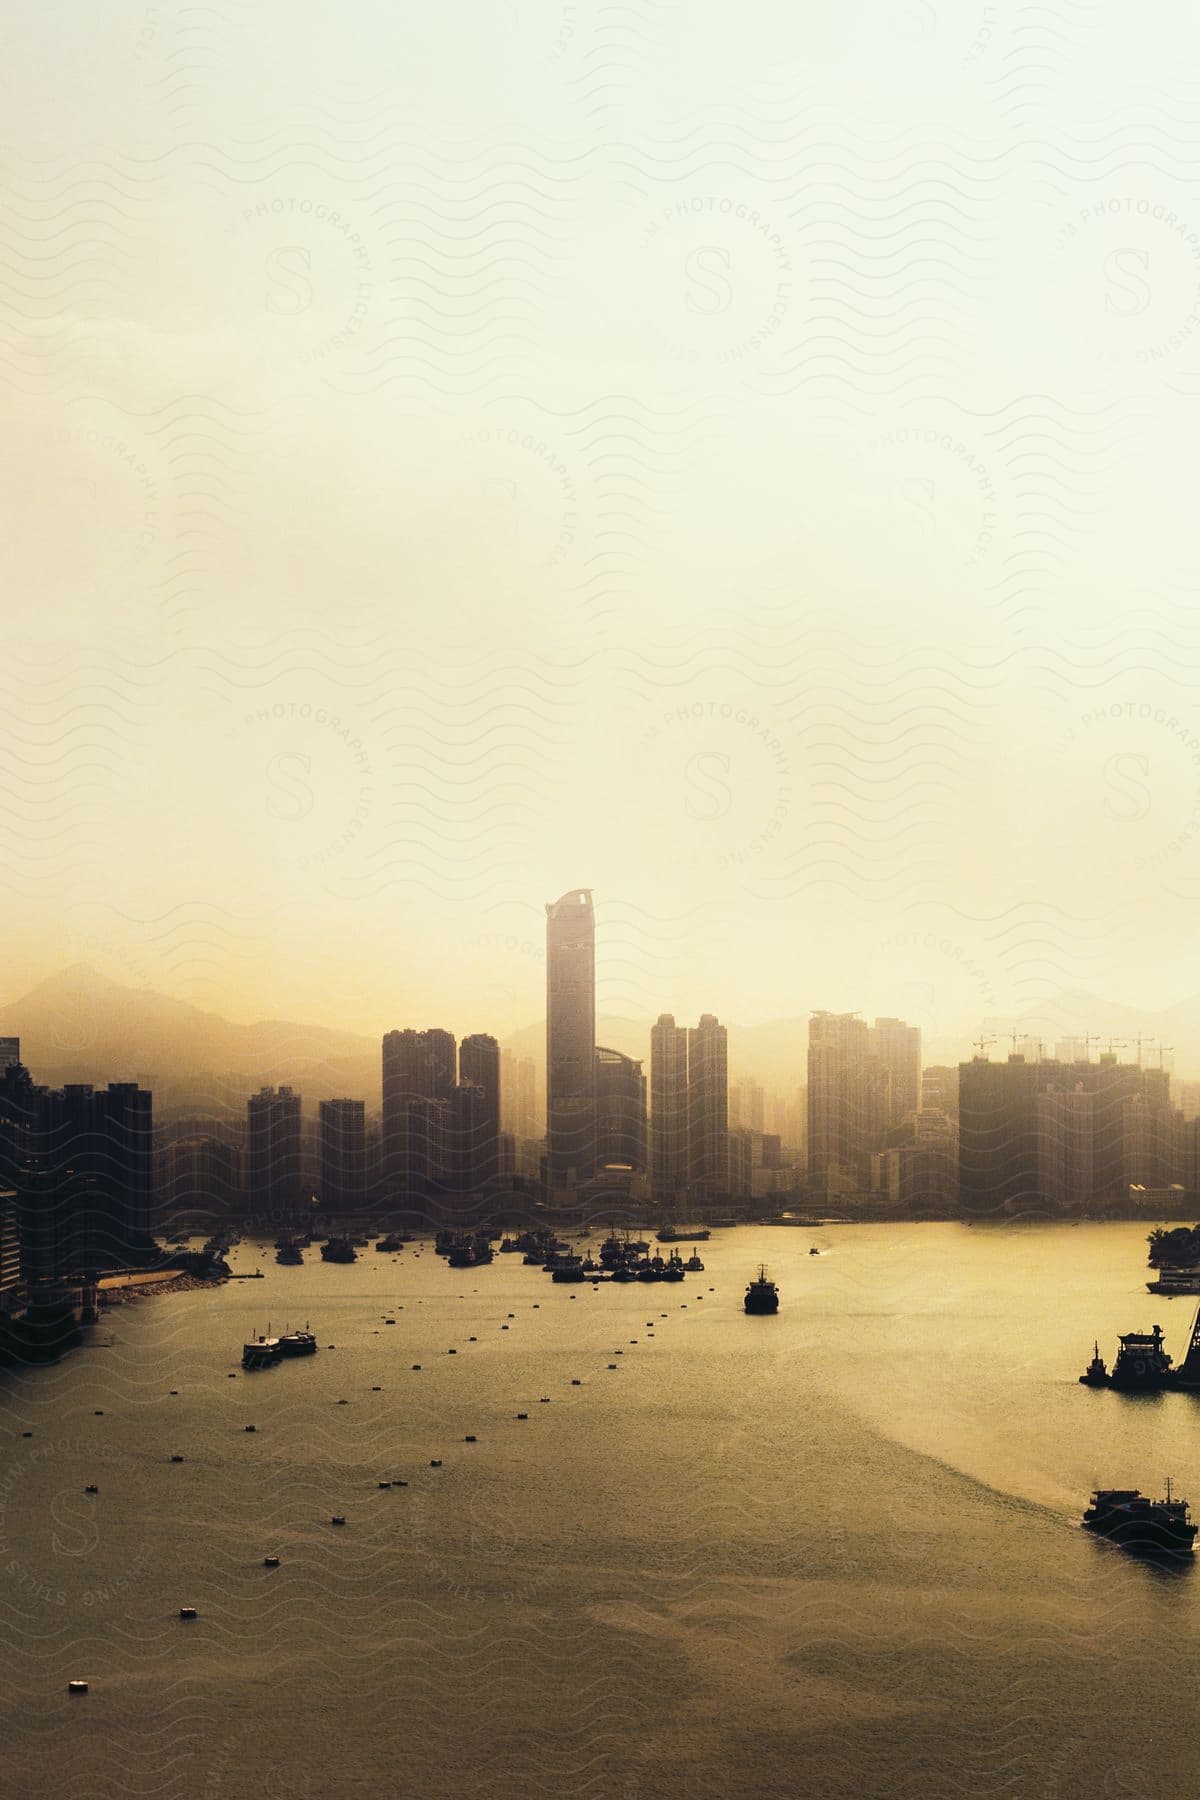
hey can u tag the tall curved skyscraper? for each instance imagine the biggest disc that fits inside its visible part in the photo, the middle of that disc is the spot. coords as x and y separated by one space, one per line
571 1037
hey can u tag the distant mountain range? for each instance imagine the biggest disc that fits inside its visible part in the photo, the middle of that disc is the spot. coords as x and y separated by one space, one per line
81 1026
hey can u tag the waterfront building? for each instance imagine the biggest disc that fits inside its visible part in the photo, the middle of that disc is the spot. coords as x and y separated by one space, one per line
620 1112
849 1104
668 1109
570 1038
418 1066
1053 1137
896 1047
10 1052
479 1065
707 1110
274 1187
343 1156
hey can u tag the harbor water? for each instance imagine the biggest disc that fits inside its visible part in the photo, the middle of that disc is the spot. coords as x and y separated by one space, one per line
834 1552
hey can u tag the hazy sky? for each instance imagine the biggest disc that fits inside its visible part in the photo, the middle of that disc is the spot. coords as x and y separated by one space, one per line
741 460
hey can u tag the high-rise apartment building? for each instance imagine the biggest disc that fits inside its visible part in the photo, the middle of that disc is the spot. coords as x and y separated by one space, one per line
570 1038
708 1110
273 1150
849 1103
419 1074
479 1066
343 1155
896 1046
1051 1136
668 1109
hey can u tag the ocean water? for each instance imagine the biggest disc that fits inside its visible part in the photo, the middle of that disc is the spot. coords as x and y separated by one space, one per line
835 1552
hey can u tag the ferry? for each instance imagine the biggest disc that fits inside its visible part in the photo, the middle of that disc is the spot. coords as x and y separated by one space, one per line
762 1296
297 1343
1175 1281
261 1353
1136 1523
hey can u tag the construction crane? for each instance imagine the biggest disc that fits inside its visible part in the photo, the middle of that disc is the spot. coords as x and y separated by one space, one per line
981 1044
1162 1051
1117 1043
1140 1041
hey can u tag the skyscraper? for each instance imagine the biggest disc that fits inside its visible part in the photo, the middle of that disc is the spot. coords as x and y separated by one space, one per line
10 1053
668 1109
897 1047
849 1103
571 1037
417 1066
620 1111
479 1065
343 1155
708 1110
273 1126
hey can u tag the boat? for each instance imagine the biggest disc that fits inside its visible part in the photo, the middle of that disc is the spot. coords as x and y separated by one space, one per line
1175 1281
261 1353
676 1234
1135 1523
694 1264
508 1245
339 1250
814 1251
762 1296
570 1269
289 1253
1142 1365
297 1343
389 1244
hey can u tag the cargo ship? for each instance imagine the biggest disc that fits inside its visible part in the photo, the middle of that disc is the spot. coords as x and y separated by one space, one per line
683 1234
762 1296
1136 1523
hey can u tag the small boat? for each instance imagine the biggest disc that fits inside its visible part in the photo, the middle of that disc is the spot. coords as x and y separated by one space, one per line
694 1264
762 1296
339 1250
1095 1375
814 1251
389 1244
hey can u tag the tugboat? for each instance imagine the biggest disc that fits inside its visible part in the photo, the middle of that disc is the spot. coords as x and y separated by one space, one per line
261 1353
339 1250
1136 1523
762 1296
694 1264
288 1251
1142 1365
569 1269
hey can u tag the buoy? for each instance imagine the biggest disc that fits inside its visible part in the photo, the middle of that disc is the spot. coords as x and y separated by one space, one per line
343 1403
503 1328
452 1353
233 1378
77 1687
575 1381
99 1413
612 1365
270 1562
545 1400
252 1428
472 1340
512 1315
470 1438
91 1488
537 1306
522 1415
435 1462
416 1365
377 1390
177 1459
187 1612
338 1519
175 1391
27 1434
385 1484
